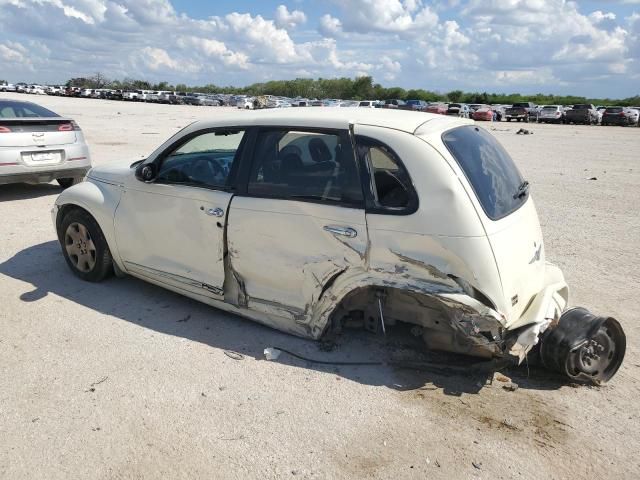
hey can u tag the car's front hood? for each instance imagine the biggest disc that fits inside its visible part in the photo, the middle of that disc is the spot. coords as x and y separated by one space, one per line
113 172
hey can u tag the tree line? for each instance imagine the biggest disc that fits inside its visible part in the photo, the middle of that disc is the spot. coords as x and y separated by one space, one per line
359 88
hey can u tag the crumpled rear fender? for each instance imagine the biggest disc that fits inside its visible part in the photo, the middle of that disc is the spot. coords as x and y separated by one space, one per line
447 291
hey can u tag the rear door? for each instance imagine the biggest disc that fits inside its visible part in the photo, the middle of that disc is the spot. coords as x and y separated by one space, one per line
299 224
172 230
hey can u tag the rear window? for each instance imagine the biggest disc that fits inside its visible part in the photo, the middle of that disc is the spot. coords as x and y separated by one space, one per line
9 109
489 168
614 109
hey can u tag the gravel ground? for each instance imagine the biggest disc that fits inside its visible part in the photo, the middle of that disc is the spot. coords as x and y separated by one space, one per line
127 380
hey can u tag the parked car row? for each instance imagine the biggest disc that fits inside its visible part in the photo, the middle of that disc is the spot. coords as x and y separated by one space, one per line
585 114
528 112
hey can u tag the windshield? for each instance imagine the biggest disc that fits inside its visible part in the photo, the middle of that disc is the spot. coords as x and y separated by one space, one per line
11 109
494 177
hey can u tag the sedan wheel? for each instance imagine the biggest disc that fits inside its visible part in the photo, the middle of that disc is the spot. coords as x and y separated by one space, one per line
68 182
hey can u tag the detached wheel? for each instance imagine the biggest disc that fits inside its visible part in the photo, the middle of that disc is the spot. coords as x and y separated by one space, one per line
584 347
68 182
84 247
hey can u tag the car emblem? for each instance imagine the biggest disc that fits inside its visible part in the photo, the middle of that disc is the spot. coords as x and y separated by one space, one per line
37 136
536 255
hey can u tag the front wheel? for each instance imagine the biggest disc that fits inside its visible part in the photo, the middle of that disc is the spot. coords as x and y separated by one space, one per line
84 246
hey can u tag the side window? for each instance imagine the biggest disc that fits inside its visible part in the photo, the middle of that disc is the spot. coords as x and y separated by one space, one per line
305 165
205 160
390 182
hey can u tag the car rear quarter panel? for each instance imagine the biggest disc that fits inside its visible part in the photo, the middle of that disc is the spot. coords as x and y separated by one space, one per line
444 239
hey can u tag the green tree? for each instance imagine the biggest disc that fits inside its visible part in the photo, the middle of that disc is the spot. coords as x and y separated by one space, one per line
455 95
362 88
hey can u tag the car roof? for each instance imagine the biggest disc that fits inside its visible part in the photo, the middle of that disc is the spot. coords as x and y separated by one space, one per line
403 120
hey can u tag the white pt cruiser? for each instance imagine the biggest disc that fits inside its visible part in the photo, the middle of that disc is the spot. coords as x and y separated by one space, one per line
303 219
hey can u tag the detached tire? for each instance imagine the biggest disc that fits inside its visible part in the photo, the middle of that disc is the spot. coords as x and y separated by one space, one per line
68 182
84 247
584 347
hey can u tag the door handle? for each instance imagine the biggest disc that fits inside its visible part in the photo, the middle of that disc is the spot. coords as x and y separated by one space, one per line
215 212
344 231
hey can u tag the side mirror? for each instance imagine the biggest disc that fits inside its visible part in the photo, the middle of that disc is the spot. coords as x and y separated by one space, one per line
146 172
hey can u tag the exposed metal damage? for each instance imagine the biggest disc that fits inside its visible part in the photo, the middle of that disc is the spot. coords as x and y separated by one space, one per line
447 311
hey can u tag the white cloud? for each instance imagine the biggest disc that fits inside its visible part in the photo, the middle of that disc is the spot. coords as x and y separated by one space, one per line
286 19
330 26
386 15
273 44
598 16
215 49
540 45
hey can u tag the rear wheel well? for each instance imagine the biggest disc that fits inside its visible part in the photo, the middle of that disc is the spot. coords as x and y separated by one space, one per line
446 326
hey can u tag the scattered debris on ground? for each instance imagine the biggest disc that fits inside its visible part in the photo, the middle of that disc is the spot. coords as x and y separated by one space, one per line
234 355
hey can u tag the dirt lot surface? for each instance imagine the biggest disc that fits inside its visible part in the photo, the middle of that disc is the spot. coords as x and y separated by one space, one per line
127 380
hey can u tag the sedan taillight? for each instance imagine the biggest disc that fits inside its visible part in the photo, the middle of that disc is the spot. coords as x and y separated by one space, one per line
68 127
5 130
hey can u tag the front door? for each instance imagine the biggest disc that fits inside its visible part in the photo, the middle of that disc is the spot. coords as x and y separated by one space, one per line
172 230
300 224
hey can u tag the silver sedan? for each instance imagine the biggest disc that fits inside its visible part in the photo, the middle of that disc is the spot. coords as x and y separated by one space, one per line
38 146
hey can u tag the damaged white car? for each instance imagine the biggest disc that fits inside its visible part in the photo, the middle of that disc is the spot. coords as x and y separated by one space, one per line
305 220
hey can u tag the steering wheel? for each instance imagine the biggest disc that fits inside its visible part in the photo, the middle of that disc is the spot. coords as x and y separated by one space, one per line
205 170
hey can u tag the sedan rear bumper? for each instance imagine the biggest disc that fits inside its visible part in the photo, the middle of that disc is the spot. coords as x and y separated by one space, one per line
616 120
68 161
43 176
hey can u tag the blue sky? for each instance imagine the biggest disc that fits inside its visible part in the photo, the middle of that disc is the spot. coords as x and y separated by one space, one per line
552 46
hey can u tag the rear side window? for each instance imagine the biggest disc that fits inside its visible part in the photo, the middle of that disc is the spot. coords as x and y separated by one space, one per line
494 177
391 187
305 165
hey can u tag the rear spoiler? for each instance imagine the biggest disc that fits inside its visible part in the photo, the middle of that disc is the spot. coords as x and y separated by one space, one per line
30 123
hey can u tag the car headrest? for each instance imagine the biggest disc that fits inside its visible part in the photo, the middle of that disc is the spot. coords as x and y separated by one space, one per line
291 163
319 150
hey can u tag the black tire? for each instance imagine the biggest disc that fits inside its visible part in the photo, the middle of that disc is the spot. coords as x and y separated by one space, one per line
508 119
102 262
68 182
